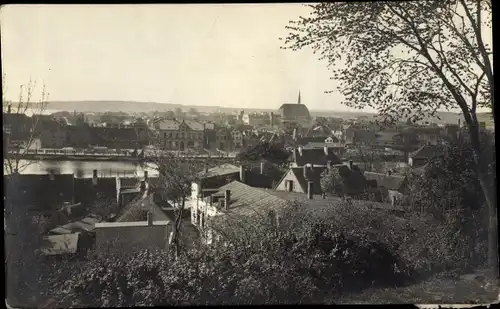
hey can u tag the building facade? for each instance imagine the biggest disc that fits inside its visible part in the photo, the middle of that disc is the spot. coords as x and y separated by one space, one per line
180 135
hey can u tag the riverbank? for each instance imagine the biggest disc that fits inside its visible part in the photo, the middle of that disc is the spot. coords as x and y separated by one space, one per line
40 157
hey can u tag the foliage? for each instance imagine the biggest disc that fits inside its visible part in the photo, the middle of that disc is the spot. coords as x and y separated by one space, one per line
265 151
400 56
450 182
303 256
408 60
332 182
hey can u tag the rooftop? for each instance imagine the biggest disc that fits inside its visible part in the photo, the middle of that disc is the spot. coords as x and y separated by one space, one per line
391 182
129 224
59 244
220 170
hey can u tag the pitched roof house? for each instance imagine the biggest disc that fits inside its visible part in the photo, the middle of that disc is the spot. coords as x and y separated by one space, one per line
314 156
423 155
395 185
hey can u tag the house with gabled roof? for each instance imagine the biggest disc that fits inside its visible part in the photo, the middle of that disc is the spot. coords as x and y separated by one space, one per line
393 187
423 155
297 179
314 156
236 203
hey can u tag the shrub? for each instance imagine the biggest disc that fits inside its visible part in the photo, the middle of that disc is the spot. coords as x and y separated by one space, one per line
312 255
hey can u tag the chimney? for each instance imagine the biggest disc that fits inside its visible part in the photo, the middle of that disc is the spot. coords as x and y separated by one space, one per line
146 175
329 164
242 174
94 177
300 150
262 168
150 218
9 109
294 134
389 172
350 164
211 200
227 198
459 122
326 150
304 168
143 186
310 187
51 175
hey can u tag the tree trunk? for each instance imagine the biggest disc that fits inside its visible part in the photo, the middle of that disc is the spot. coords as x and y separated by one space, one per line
487 185
177 226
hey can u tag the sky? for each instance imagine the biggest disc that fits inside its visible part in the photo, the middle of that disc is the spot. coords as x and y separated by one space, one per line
206 55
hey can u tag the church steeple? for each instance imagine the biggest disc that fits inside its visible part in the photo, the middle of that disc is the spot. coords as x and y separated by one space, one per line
298 100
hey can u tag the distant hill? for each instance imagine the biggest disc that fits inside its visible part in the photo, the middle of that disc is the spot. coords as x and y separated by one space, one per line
136 107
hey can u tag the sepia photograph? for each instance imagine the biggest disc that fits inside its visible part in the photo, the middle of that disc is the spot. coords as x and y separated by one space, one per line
249 154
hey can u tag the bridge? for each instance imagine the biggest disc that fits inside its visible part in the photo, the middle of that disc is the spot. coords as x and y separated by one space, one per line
108 155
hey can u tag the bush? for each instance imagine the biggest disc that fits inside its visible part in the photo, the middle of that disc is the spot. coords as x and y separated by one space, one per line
311 256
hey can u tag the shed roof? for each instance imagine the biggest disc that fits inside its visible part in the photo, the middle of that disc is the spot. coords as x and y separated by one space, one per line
128 224
60 244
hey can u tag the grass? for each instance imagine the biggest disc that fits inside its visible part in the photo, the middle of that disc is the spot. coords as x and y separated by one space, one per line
440 289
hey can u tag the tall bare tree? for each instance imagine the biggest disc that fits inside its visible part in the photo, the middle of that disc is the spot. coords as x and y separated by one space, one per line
177 173
410 59
30 108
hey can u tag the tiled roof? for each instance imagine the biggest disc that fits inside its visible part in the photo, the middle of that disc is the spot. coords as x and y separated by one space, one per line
79 226
168 124
354 180
426 151
195 125
221 170
249 201
128 224
135 209
313 174
59 244
321 145
315 156
391 182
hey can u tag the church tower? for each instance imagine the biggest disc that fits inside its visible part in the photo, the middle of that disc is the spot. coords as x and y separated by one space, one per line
298 100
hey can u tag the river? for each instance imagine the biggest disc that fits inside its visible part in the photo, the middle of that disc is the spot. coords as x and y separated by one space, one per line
85 168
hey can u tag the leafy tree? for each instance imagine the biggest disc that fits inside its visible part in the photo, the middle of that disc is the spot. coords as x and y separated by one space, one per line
179 113
409 59
193 112
332 182
450 182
